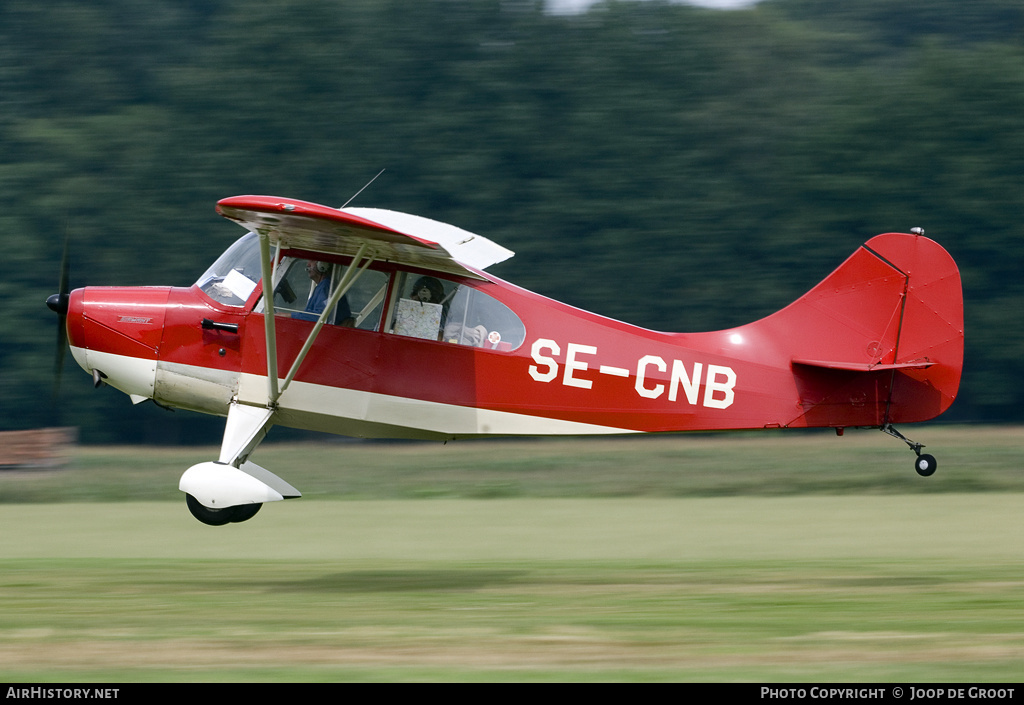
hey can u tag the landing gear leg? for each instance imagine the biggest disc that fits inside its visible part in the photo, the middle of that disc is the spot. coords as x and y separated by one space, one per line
925 464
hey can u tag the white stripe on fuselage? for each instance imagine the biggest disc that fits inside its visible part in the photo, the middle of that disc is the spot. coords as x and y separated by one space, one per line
131 375
330 409
424 418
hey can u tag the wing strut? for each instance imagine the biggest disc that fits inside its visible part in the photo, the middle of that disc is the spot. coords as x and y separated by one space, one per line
276 387
354 272
268 318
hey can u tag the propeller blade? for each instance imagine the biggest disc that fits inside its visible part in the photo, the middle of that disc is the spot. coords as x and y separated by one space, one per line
65 266
58 303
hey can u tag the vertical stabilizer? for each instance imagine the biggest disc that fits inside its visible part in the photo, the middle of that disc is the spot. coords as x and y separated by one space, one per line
881 339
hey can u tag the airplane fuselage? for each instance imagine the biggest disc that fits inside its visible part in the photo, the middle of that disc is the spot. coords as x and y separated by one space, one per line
574 372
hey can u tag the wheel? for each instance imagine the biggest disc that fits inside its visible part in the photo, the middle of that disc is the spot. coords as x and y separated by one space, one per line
925 465
210 517
220 517
245 512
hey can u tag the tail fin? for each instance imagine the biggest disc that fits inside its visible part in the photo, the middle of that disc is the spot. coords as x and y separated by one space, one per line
881 339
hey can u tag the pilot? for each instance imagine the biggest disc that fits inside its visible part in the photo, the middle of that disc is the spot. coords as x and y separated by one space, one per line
319 274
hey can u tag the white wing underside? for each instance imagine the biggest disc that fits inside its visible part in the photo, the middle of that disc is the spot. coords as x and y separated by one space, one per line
387 235
464 247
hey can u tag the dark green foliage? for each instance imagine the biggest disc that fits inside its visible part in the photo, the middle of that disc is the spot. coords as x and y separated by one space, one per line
670 166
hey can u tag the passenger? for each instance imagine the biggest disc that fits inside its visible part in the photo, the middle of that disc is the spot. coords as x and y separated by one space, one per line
428 290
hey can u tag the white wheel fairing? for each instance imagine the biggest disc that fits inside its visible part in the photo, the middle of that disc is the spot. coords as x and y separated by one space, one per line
218 486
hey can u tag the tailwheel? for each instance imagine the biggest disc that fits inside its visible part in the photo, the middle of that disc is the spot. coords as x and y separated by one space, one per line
220 517
924 464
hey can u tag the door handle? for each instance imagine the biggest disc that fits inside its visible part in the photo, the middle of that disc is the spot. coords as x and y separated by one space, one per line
217 325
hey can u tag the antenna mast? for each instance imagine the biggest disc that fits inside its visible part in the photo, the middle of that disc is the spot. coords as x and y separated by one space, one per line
363 188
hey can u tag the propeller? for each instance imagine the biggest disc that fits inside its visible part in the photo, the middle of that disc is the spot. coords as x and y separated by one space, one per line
58 303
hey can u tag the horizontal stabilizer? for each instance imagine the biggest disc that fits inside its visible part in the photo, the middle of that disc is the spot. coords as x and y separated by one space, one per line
864 366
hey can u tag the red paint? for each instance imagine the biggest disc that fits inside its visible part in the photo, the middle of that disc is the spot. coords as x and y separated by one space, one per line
121 320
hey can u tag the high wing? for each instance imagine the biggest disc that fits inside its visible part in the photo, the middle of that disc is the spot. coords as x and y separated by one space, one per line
386 235
365 234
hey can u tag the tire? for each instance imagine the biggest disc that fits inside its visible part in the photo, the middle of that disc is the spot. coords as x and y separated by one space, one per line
245 512
220 517
925 465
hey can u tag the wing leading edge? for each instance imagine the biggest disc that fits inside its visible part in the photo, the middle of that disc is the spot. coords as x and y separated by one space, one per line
392 236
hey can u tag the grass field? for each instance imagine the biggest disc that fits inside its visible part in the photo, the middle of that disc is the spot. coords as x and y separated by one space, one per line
725 558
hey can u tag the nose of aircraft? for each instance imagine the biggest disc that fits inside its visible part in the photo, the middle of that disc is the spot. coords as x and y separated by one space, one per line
114 333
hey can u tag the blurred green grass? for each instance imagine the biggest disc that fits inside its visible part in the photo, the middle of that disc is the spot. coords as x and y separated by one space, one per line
774 557
919 588
770 463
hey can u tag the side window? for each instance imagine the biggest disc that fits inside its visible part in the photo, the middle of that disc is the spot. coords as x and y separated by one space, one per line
478 320
366 298
305 286
294 290
439 309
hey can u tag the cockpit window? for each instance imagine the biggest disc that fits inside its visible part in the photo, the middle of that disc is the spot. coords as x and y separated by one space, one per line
304 288
232 278
439 309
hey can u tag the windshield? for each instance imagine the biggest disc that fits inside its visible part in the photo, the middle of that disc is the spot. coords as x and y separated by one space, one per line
232 278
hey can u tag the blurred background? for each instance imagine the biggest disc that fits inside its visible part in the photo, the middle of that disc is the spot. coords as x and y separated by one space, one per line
672 165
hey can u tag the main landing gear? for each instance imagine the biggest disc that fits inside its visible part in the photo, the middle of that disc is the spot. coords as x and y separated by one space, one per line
925 464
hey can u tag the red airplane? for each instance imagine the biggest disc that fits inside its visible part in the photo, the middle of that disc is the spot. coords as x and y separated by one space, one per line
385 325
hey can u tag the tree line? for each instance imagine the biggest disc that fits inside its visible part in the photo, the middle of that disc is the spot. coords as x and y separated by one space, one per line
671 166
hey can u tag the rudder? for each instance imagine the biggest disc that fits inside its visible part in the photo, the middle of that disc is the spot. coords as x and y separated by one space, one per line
932 326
